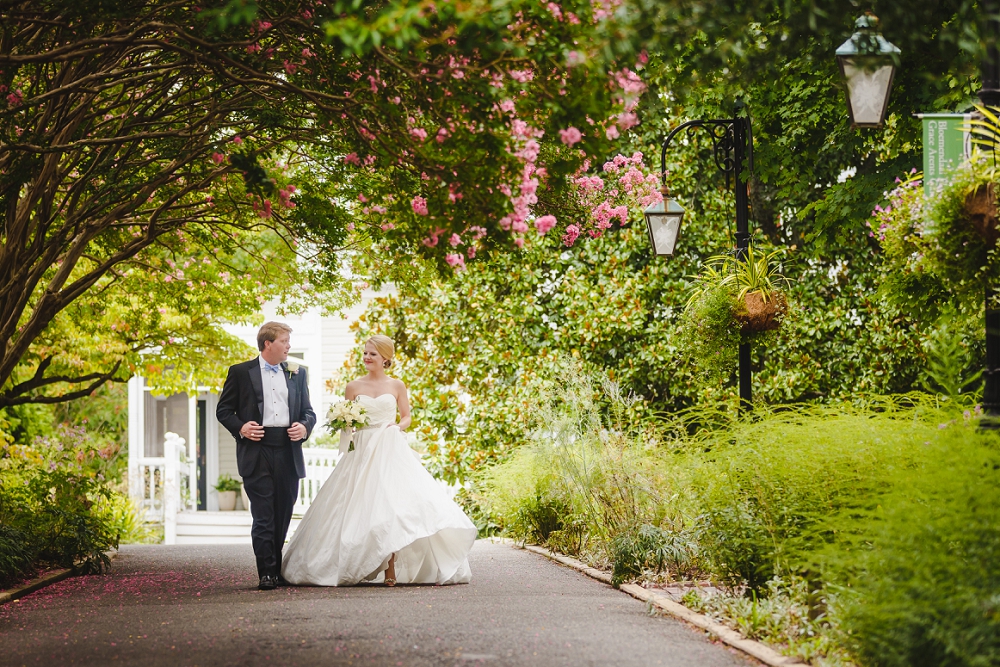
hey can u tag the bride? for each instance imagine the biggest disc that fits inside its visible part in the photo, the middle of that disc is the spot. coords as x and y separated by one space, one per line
380 514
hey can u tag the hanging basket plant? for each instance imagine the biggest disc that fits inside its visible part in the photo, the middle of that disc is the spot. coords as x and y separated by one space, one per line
733 302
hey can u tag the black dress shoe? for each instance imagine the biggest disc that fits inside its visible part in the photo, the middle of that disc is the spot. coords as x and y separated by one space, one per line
267 583
282 582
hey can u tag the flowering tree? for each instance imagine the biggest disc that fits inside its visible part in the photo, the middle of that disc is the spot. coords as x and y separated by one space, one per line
130 133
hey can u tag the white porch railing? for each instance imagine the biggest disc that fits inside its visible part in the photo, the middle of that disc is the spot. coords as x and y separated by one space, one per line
178 477
166 483
319 465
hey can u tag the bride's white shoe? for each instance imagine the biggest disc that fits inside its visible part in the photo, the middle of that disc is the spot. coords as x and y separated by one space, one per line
380 501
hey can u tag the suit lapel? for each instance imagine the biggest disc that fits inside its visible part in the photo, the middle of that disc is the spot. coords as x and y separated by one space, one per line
293 394
258 385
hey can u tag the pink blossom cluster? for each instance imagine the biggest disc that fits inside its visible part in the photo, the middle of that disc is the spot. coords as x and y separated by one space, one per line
419 205
627 186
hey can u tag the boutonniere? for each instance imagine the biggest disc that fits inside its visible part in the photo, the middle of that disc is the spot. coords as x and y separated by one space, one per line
292 368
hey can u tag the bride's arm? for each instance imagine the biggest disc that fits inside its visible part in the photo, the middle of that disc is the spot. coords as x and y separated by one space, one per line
350 391
404 408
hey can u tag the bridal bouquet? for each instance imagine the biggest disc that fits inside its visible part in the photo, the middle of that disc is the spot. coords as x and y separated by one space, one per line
346 414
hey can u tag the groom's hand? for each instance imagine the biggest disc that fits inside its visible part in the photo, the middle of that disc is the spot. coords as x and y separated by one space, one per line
252 431
296 432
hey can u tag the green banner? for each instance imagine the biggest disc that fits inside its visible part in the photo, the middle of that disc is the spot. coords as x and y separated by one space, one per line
946 146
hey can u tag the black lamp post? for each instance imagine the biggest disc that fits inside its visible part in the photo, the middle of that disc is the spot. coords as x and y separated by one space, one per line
989 95
732 145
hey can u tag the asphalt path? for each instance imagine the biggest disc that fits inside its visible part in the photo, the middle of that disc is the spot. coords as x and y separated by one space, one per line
198 605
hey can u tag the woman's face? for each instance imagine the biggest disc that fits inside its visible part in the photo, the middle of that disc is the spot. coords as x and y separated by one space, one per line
372 358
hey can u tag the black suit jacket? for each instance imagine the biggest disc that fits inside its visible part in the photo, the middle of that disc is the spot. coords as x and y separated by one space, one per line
242 400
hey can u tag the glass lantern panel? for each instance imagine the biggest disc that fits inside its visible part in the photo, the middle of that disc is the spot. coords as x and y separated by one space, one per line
664 229
867 91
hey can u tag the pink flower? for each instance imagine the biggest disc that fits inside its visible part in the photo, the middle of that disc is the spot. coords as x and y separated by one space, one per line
555 9
218 158
569 238
290 67
458 74
455 260
418 133
519 242
574 58
545 223
265 212
238 140
306 53
352 158
419 205
570 136
387 226
430 241
455 240
612 133
627 120
441 135
507 106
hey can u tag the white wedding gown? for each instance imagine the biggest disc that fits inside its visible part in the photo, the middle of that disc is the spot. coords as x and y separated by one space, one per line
380 500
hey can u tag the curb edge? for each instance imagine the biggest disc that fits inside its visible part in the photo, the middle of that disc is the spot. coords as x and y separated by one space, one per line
727 635
43 581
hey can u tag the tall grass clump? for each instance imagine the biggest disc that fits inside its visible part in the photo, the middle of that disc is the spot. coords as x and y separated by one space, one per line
590 481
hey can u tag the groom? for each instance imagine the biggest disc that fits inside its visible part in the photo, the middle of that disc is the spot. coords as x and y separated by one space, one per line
265 405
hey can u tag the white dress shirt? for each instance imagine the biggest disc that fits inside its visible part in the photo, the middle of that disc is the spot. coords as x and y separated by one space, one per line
275 392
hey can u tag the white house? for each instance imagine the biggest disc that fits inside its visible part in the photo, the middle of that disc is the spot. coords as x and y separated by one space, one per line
161 479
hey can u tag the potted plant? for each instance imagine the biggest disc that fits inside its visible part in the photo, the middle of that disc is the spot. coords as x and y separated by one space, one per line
227 488
733 302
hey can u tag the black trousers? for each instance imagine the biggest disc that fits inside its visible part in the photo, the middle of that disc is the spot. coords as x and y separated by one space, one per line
272 489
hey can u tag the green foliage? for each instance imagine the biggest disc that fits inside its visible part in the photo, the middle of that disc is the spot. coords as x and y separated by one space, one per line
59 505
710 332
227 483
928 590
790 615
649 548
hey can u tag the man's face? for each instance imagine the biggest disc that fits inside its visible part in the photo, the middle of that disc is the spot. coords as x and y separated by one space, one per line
277 350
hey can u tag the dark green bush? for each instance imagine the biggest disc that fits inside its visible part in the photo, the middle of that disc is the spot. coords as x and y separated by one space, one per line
58 506
649 548
736 546
16 558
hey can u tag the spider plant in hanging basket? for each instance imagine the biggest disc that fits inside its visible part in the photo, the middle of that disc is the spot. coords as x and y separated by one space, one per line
760 305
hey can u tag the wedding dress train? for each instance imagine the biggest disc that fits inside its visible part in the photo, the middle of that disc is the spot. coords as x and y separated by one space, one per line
380 500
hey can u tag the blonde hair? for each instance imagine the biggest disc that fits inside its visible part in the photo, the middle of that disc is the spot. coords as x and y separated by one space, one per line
385 347
270 332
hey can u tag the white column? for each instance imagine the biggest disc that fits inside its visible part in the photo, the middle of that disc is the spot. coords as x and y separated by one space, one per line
211 453
136 431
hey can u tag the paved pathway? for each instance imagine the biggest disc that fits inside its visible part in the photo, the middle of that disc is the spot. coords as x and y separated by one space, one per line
195 605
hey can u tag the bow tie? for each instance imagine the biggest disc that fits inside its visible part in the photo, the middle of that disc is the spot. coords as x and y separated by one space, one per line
272 367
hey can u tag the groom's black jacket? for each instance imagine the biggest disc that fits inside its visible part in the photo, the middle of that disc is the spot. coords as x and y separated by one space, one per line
242 400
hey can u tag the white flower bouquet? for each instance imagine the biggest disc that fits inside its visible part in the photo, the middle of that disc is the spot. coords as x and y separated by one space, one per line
346 415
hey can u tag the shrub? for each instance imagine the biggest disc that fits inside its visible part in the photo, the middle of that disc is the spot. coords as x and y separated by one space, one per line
58 506
649 548
928 591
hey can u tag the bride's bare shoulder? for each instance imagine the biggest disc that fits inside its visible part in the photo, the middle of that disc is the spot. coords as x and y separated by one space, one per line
398 387
352 389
